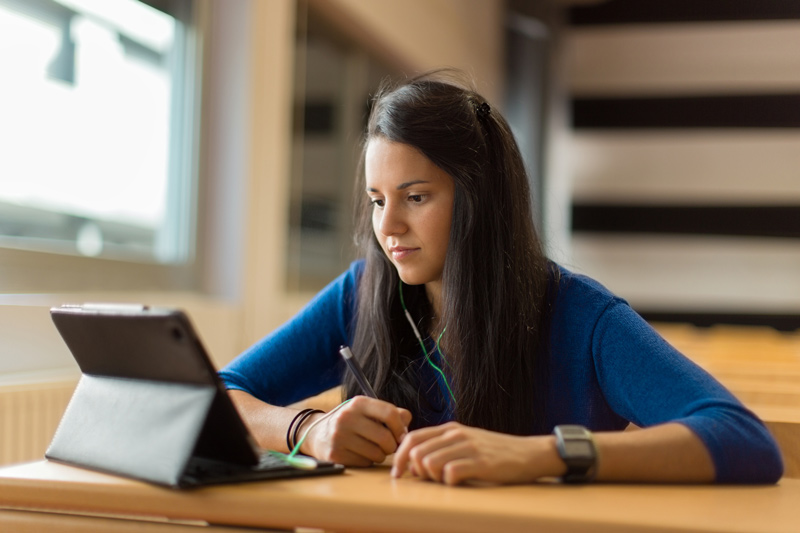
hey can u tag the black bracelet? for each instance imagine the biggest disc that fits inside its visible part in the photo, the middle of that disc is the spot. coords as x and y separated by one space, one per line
300 423
289 431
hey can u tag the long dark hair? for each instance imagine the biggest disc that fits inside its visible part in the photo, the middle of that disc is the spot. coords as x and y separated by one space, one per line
495 275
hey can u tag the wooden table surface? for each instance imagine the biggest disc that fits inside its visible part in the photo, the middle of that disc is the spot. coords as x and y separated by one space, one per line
370 500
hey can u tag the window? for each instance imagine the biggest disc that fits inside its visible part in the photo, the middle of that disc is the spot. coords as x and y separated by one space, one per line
97 135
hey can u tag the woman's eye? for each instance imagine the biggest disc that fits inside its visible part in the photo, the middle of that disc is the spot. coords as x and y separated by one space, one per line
417 198
376 201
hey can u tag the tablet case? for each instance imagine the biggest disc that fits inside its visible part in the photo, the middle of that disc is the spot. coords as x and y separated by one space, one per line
149 399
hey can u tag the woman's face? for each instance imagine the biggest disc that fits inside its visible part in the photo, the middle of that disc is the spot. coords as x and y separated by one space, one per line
412 208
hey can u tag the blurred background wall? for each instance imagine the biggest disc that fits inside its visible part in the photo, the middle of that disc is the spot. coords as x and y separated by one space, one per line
685 155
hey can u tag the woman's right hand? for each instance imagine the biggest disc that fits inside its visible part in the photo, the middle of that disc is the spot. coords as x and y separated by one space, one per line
364 431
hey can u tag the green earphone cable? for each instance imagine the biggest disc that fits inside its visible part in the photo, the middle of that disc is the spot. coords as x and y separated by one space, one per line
421 343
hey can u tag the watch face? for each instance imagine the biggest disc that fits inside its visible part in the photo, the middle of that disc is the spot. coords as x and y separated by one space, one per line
579 449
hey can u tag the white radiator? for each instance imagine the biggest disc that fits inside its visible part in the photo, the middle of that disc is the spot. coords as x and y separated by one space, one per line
29 415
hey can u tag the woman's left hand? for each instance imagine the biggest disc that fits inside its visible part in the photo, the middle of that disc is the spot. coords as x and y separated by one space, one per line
453 453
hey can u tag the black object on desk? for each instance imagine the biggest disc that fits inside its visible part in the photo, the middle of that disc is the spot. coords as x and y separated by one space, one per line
150 405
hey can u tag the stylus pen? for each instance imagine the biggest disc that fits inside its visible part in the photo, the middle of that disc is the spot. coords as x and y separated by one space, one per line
355 368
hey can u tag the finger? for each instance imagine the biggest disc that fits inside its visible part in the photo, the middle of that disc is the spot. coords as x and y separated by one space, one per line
376 434
409 443
400 461
365 449
459 471
431 456
368 428
338 439
394 418
342 442
401 456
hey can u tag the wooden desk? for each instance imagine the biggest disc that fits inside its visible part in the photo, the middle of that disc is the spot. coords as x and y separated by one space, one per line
369 500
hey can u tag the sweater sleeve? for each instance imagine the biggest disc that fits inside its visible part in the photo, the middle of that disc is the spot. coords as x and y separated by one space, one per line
300 359
649 382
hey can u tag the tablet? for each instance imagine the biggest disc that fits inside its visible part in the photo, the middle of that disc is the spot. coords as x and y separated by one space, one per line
150 405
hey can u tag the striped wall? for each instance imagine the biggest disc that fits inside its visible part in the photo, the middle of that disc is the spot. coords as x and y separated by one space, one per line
685 156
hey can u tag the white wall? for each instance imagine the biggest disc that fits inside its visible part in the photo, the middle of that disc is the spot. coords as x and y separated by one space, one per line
425 34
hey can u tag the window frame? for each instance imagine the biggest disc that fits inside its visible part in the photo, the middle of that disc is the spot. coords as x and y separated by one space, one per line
24 269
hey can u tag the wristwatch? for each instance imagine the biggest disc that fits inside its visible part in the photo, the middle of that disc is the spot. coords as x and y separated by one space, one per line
576 448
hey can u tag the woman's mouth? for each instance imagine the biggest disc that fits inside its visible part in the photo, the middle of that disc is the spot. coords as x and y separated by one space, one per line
399 253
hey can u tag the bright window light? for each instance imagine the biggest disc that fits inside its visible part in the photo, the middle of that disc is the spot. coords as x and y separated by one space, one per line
86 128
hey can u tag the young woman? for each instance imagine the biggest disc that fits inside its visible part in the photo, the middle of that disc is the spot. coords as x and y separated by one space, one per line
511 346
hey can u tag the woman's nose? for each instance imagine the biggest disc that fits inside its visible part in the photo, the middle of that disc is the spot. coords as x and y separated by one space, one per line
392 221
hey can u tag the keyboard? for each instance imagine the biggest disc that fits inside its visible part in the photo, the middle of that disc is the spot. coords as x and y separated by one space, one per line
203 471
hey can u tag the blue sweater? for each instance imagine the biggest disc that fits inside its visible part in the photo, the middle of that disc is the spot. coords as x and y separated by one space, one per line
607 367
